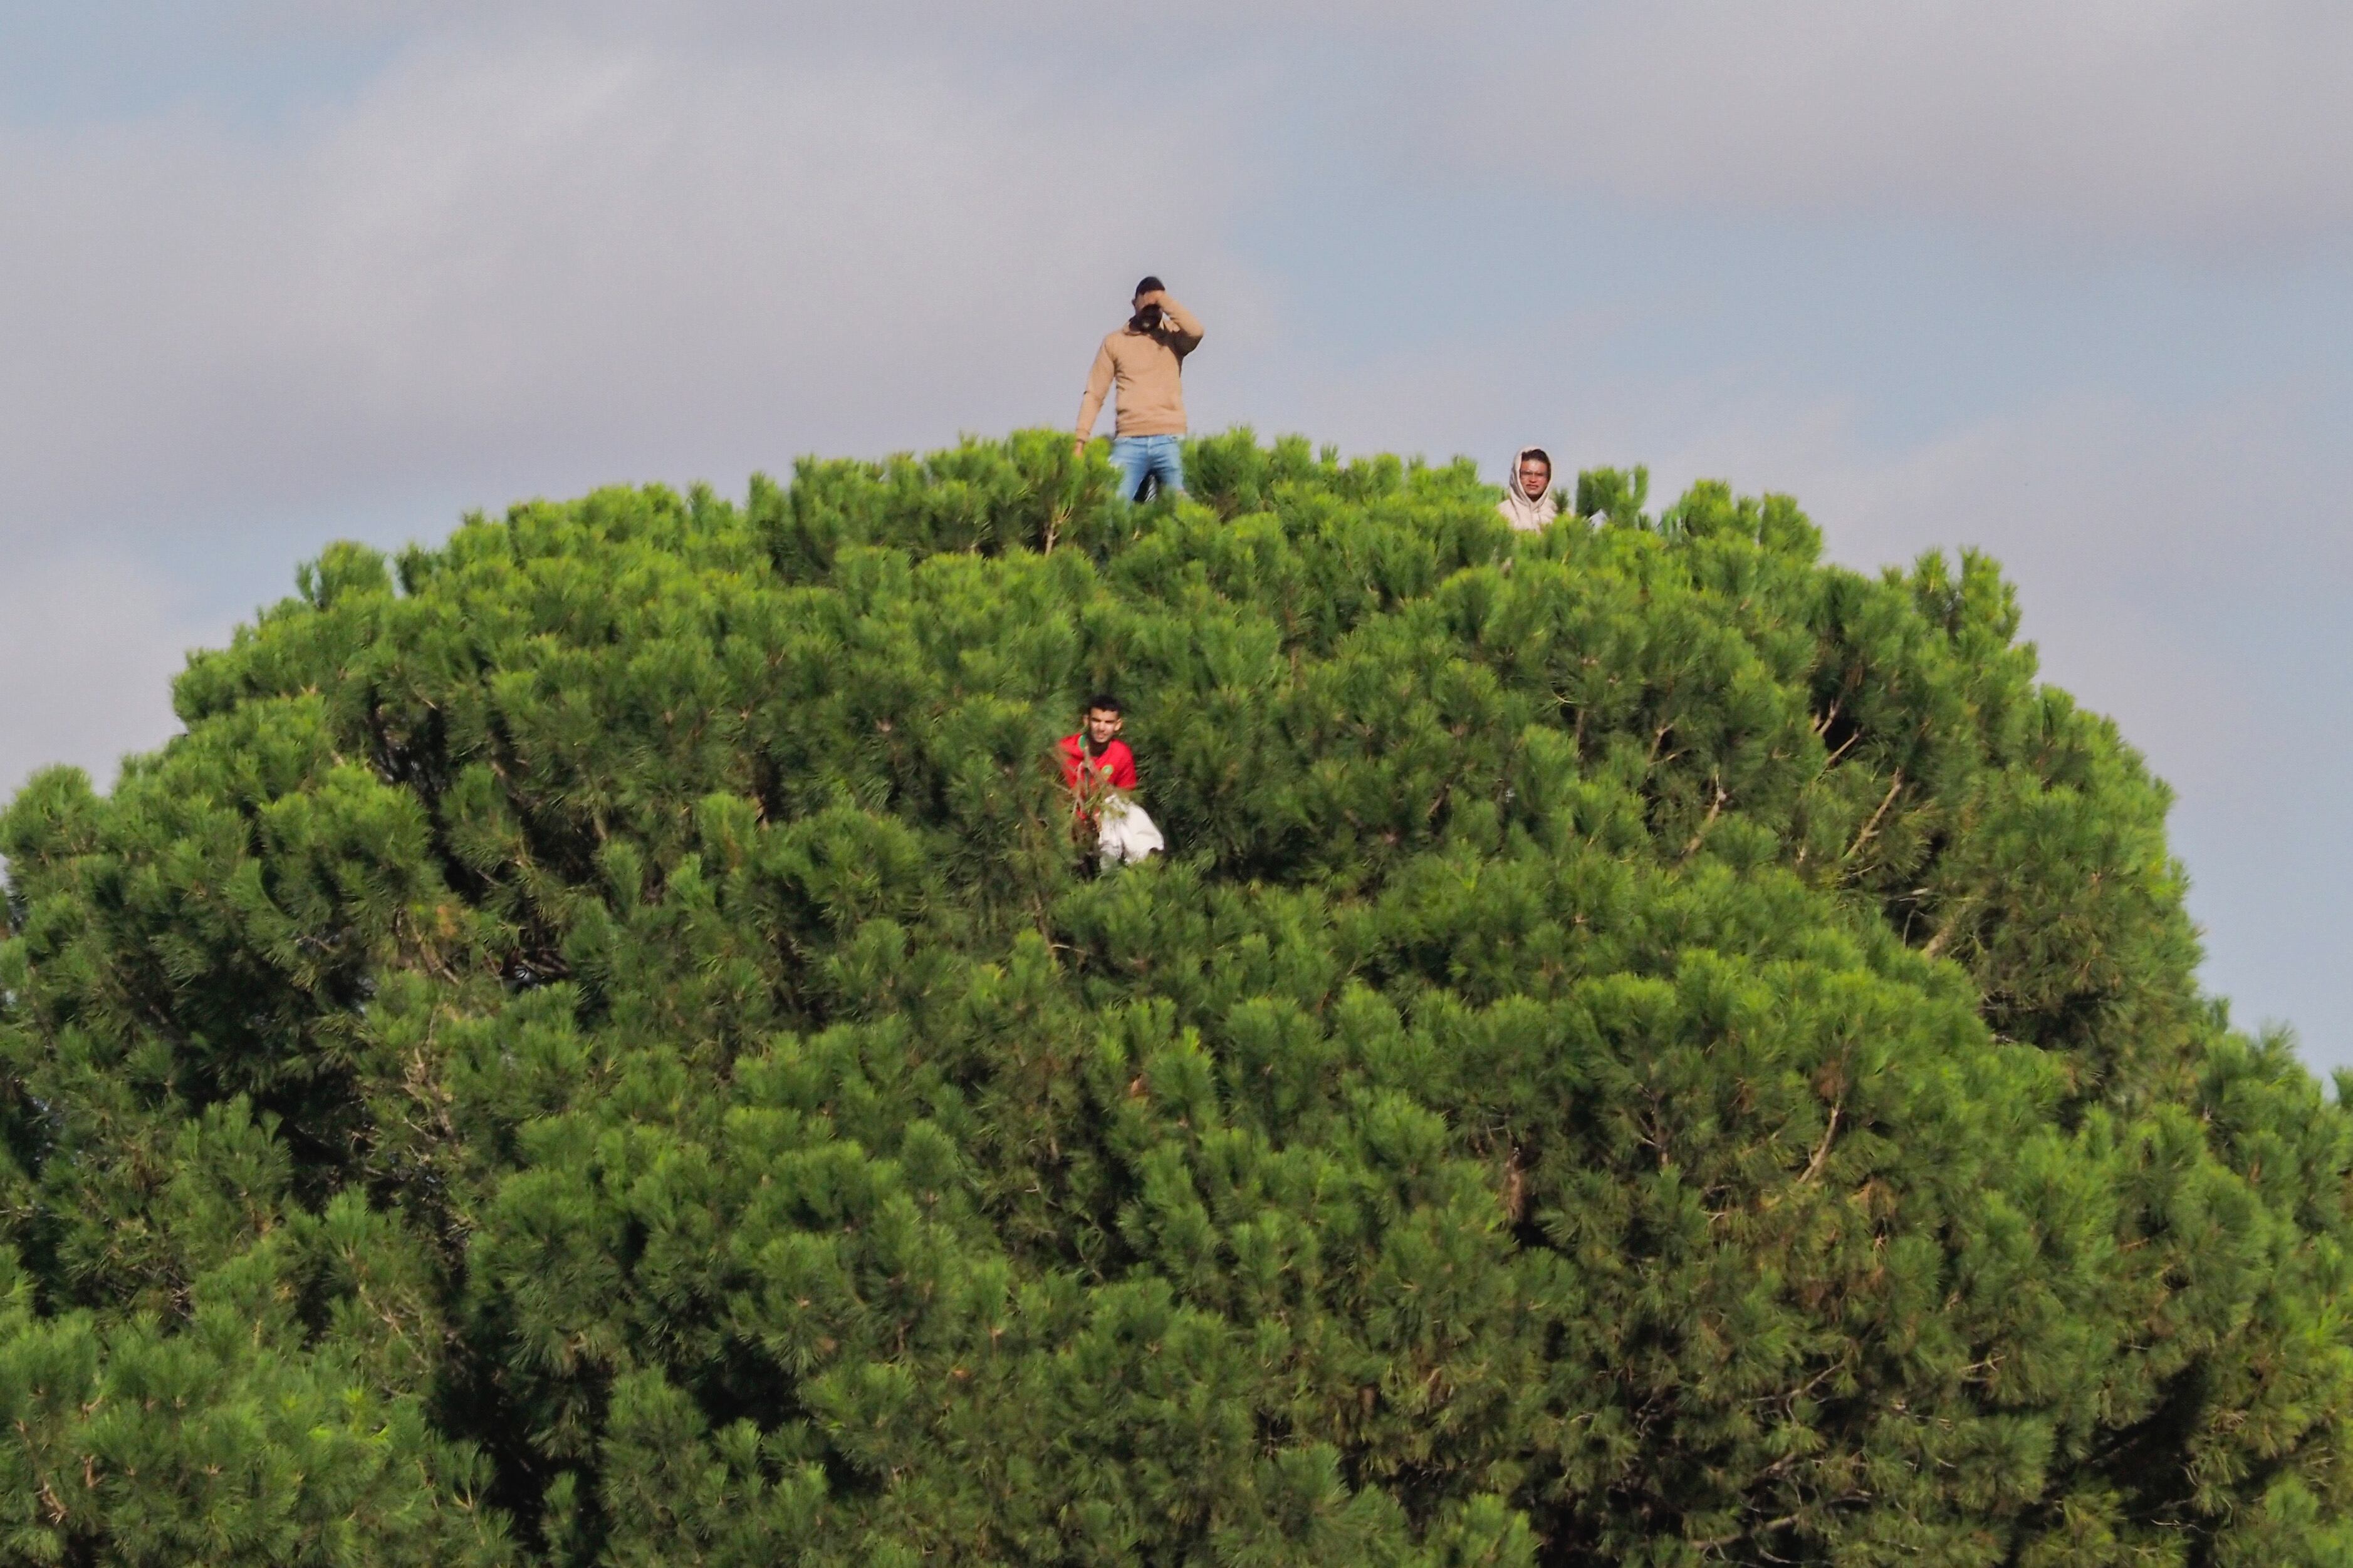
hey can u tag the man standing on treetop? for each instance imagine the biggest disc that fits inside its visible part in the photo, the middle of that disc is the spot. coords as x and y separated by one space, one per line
1142 359
1528 503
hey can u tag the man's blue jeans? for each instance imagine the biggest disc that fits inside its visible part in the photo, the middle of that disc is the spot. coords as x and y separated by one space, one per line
1139 459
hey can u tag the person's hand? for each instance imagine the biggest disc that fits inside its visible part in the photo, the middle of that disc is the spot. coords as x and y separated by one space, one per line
1079 447
1152 297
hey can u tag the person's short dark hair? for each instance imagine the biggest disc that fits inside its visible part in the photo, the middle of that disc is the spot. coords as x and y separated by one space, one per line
1147 318
1539 454
1104 700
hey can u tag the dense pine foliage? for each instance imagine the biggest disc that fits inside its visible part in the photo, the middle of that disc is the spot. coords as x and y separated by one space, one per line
597 1047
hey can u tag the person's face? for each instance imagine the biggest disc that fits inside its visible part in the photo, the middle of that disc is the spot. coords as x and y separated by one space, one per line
1102 724
1536 478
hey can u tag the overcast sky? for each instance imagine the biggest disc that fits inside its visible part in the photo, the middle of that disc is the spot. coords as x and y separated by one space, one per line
2073 283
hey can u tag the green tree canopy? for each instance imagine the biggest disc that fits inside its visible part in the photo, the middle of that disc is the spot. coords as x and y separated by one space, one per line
597 1047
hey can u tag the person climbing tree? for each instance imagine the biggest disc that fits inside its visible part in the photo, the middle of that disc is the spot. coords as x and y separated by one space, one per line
1528 503
1096 756
1099 769
1142 359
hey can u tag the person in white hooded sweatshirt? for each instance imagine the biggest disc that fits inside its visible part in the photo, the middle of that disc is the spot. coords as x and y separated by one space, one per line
1528 503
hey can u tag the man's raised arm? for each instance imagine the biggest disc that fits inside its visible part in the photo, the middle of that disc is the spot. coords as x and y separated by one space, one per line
1188 333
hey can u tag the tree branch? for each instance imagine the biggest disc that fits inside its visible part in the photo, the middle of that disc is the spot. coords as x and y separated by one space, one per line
1871 827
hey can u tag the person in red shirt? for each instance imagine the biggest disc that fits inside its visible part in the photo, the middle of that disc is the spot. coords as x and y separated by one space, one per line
1100 773
1095 758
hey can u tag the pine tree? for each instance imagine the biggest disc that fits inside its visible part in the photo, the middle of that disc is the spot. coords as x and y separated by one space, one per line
595 1047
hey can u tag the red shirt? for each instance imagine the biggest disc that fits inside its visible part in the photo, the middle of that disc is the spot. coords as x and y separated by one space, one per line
1115 767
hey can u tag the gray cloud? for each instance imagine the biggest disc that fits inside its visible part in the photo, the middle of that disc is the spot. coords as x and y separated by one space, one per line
88 645
493 257
2219 126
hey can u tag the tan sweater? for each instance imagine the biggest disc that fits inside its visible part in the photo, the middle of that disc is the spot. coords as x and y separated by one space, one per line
1143 366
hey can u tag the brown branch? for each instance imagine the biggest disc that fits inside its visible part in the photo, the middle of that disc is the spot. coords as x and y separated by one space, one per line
1936 945
1864 837
1515 1187
1821 1149
1718 1542
1715 808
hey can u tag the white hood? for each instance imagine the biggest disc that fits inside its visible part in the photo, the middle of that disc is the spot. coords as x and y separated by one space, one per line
1516 508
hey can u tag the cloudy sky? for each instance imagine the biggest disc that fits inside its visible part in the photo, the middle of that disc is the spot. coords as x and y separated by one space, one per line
2070 282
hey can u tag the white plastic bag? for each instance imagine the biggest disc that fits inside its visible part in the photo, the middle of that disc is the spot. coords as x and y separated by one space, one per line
1125 835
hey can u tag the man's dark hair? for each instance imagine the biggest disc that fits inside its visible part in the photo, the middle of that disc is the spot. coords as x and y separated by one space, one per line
1147 319
1104 700
1539 454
